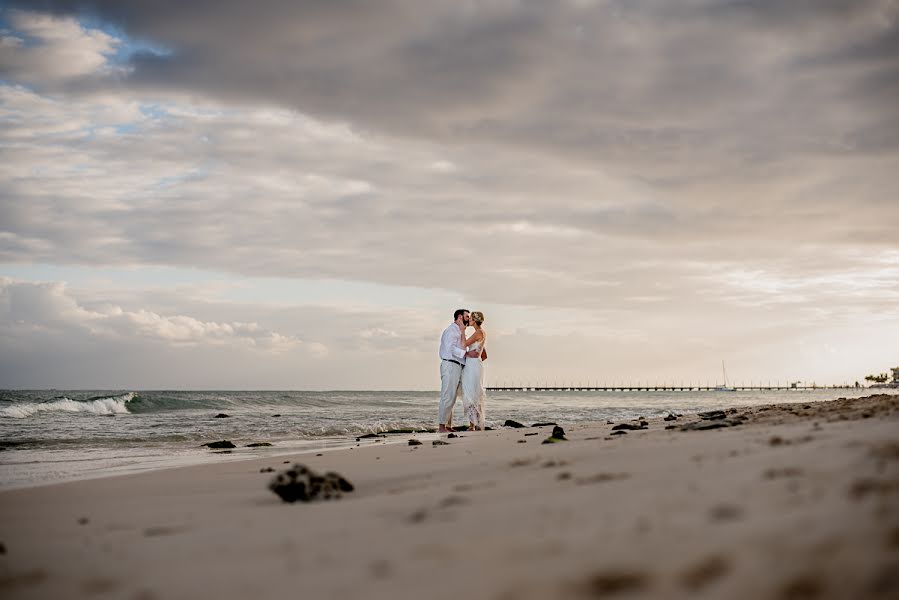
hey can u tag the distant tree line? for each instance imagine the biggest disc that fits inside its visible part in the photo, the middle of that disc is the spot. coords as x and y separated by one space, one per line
881 378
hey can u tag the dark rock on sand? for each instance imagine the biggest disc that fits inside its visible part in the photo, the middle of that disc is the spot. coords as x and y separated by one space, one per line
266 470
671 417
511 423
389 431
258 444
558 435
706 425
452 435
221 444
671 427
535 433
414 443
222 416
300 483
2 548
619 432
439 443
369 436
542 424
712 415
83 520
277 415
628 427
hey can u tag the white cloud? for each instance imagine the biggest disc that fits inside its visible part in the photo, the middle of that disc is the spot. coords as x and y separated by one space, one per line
28 307
45 49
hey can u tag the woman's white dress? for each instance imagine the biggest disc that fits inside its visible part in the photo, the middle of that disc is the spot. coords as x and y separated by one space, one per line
474 396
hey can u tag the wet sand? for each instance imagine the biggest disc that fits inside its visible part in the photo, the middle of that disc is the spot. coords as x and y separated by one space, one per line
784 501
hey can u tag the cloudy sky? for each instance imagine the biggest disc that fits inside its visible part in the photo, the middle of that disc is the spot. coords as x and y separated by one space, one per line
297 194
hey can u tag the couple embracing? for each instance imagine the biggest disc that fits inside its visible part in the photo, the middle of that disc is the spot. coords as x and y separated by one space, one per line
461 369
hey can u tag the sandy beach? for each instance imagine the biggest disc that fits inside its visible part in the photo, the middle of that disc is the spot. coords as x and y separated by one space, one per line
783 501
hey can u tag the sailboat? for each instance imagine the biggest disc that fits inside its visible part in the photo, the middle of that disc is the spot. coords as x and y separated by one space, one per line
724 388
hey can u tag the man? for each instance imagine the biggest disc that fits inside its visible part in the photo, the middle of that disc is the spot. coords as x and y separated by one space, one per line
452 361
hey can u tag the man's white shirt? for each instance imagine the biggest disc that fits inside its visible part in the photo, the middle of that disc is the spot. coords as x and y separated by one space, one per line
451 344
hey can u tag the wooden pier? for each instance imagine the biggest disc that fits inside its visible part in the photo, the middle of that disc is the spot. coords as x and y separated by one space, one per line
662 388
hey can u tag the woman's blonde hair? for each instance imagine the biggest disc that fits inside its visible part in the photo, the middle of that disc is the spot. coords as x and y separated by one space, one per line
477 316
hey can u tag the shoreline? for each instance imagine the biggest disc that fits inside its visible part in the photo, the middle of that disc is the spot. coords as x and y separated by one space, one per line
39 466
787 499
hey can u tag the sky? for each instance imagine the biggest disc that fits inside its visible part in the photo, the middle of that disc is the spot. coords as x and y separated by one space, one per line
298 194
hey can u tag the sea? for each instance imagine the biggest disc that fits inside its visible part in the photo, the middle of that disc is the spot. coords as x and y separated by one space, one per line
49 436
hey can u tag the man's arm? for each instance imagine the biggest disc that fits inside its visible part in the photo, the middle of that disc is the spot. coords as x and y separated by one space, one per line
451 341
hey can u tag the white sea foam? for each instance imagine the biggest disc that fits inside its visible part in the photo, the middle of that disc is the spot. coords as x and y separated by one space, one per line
100 406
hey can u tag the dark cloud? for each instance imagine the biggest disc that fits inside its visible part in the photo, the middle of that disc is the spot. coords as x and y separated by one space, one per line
625 83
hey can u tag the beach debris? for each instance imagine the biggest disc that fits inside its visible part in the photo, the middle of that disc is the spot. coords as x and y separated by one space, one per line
558 435
300 483
670 417
511 423
543 424
319 454
439 443
222 416
527 434
369 436
414 442
266 470
221 444
783 473
451 436
258 444
83 520
629 427
601 478
522 441
276 415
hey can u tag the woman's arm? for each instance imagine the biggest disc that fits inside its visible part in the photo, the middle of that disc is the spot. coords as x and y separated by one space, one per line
477 335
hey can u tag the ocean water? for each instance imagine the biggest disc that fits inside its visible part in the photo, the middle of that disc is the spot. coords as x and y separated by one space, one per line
53 435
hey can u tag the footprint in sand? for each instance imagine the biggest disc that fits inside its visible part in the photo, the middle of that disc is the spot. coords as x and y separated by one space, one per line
704 572
611 582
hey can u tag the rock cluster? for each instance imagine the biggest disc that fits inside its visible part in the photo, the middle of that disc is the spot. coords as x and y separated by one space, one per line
300 483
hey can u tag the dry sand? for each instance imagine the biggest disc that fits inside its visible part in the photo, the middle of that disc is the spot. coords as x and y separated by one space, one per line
794 502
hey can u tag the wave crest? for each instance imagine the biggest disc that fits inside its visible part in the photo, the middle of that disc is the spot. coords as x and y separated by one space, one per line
98 406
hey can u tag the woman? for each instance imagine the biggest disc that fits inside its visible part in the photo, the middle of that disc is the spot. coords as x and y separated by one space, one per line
473 394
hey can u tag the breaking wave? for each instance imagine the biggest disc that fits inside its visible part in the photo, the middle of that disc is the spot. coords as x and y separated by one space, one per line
110 405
